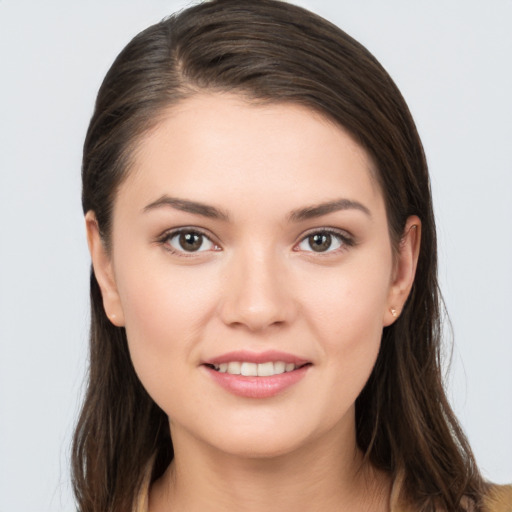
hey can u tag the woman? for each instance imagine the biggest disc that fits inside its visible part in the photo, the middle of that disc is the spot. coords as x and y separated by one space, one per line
265 313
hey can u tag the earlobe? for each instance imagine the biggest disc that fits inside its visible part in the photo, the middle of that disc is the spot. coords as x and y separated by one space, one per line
405 269
103 270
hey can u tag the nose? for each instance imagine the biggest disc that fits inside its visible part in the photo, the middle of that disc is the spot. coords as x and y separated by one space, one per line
256 294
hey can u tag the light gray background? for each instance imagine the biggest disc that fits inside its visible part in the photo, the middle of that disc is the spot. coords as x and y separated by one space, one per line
452 61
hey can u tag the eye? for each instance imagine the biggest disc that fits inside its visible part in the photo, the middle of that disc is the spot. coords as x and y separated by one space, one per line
189 241
324 241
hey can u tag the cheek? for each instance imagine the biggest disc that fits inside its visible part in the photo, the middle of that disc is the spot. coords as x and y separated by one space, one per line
351 301
159 296
345 310
165 309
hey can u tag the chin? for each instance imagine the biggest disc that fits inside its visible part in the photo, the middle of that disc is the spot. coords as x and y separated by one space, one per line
264 437
261 447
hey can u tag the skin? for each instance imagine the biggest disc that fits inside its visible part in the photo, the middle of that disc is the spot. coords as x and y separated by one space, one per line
255 284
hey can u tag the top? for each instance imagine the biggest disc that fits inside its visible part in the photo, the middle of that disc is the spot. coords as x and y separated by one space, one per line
497 499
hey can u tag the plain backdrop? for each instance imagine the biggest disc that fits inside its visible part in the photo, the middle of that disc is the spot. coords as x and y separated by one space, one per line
451 60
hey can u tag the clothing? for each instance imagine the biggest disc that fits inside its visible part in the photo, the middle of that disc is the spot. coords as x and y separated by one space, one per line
498 499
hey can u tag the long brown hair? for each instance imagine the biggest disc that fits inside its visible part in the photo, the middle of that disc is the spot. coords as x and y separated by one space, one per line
270 51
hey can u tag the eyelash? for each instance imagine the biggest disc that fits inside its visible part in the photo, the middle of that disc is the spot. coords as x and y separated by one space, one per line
345 241
169 235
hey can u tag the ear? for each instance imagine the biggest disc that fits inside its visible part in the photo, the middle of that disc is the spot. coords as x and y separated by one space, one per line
405 269
103 270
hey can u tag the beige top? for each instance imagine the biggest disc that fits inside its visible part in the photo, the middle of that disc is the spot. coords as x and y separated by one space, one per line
498 499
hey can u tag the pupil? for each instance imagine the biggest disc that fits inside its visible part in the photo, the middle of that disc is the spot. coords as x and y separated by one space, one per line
191 241
320 242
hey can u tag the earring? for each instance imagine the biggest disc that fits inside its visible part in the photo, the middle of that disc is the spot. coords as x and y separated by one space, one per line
394 312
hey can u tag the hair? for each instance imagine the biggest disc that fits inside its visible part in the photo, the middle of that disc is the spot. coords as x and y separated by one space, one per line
274 52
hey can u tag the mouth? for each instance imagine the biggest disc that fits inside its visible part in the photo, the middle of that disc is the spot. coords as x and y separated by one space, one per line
261 375
249 369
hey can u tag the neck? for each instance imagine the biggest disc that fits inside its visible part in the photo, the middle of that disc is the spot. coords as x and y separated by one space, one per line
329 475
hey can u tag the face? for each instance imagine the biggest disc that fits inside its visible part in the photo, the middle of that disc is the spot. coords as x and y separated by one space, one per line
252 268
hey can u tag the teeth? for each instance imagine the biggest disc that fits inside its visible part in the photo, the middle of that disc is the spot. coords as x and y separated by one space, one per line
265 369
253 369
279 367
249 369
234 368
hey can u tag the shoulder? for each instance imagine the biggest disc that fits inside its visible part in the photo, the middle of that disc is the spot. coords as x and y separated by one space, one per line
498 498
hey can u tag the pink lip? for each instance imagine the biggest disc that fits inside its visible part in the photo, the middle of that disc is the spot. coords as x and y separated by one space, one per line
256 357
256 387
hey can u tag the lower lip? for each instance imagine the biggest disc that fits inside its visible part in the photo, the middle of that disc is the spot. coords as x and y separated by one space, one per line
257 387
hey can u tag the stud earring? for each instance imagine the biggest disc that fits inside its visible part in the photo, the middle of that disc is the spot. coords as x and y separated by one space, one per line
394 312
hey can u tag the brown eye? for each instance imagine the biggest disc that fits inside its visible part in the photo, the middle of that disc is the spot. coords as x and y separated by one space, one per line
324 242
320 242
190 241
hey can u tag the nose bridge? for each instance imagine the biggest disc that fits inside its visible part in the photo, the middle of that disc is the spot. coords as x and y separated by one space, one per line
255 292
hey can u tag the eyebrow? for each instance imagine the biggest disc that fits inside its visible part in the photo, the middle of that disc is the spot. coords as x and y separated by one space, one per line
188 206
300 214
310 212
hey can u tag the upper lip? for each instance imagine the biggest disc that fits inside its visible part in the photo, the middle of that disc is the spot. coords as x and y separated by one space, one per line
256 357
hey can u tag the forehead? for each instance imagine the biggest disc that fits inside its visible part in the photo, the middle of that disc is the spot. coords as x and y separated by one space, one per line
222 146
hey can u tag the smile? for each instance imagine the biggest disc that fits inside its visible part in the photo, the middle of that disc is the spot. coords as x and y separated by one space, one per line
252 375
248 369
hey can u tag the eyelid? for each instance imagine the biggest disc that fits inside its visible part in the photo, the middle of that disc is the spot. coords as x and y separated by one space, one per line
171 233
347 239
